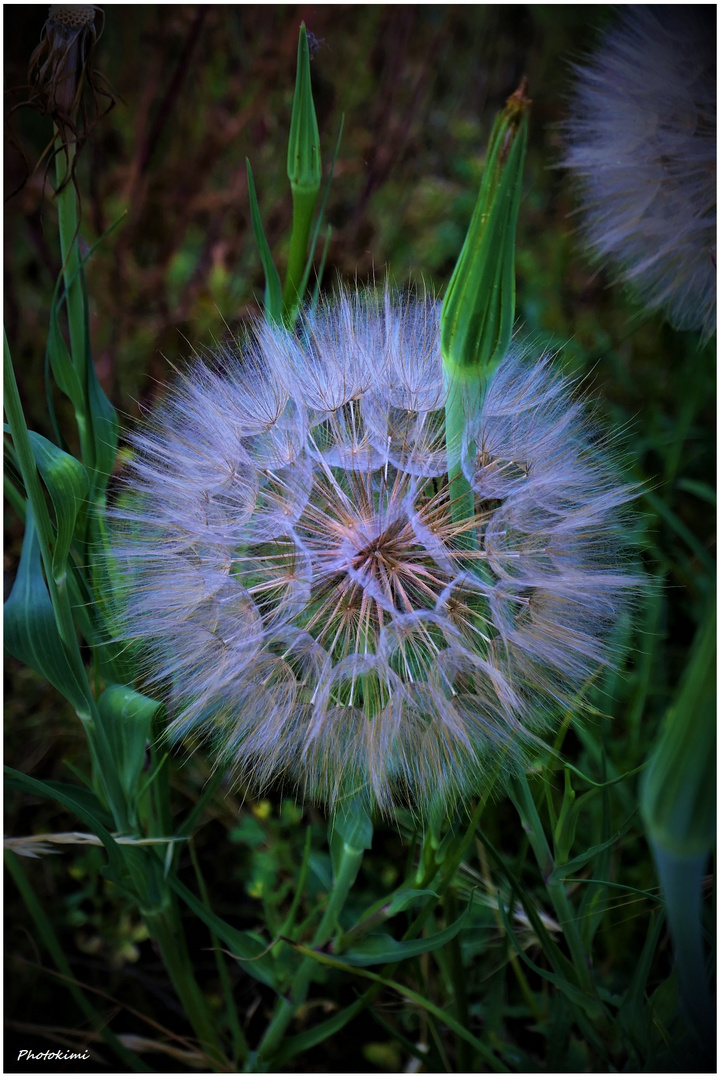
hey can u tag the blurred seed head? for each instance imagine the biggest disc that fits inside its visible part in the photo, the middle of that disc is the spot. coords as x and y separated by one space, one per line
641 140
286 561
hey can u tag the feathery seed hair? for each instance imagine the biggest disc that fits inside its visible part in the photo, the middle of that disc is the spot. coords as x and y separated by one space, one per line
287 560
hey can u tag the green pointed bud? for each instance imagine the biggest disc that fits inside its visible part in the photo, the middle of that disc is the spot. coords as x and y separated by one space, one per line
479 307
304 168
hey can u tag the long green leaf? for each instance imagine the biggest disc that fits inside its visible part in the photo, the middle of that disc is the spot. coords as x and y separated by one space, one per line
25 462
245 947
384 949
273 288
86 798
96 418
573 993
554 954
678 794
61 363
298 1044
407 898
103 417
31 633
423 1003
636 990
30 785
679 527
560 872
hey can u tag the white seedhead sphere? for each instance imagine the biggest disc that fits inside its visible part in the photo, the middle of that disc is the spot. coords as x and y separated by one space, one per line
289 562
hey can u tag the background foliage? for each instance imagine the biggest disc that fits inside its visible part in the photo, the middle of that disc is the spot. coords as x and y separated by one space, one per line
198 89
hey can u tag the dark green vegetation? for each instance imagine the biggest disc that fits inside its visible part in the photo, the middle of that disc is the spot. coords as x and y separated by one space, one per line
562 866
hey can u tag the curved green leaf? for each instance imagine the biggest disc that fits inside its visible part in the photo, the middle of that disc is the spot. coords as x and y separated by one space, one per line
407 898
83 796
30 785
127 717
31 633
559 873
353 825
273 288
573 993
445 1018
249 949
384 949
68 484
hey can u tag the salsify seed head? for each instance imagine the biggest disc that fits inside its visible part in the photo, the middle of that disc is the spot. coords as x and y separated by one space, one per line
289 562
641 139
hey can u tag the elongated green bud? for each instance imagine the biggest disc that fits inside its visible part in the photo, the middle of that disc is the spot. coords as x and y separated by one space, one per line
304 169
479 308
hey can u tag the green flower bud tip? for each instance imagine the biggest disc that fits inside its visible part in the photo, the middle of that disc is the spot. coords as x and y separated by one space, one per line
479 307
303 163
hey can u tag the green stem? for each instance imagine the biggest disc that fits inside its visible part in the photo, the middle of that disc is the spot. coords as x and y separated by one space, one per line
563 909
287 927
69 250
303 210
458 977
173 950
241 1049
463 397
681 878
349 865
421 880
511 954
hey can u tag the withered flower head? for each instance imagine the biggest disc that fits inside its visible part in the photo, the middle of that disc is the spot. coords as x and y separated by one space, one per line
62 65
